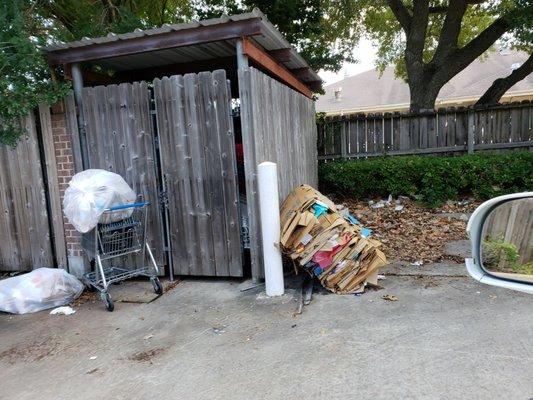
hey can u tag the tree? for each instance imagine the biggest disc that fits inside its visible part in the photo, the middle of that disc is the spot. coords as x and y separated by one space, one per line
521 40
432 41
321 30
75 19
25 80
26 26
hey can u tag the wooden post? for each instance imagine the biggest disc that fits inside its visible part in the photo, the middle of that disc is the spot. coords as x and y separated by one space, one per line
344 152
471 131
242 59
77 83
56 214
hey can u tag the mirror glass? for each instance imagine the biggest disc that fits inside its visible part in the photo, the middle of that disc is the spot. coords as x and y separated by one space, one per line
507 245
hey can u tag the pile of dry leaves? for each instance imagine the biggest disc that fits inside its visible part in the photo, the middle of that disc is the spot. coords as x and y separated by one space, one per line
412 232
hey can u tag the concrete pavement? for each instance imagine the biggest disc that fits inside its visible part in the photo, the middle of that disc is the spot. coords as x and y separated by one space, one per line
446 337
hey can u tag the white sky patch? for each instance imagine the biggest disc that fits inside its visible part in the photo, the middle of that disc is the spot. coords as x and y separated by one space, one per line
364 52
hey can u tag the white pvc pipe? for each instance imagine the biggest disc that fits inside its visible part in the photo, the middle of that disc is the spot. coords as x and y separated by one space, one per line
267 178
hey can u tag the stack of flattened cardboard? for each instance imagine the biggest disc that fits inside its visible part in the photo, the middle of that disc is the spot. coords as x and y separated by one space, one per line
331 246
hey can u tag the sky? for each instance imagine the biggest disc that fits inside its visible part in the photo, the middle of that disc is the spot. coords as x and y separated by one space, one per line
364 52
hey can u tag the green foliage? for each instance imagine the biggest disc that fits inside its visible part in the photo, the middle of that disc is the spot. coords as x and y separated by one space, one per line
25 81
75 19
496 250
431 179
499 255
26 26
384 30
323 31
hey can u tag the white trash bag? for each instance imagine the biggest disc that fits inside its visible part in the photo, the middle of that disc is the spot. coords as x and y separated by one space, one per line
92 191
38 290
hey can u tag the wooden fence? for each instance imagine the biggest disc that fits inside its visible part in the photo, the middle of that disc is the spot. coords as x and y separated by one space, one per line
277 126
447 130
512 223
25 237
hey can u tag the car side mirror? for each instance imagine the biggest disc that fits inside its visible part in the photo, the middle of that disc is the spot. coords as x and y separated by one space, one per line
500 232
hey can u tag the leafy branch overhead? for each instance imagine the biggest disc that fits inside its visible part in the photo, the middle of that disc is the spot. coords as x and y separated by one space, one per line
429 41
25 80
432 41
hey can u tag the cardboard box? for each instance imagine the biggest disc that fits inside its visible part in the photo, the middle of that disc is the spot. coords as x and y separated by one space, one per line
355 260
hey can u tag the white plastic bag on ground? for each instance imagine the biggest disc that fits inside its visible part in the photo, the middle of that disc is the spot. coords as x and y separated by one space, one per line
92 191
38 290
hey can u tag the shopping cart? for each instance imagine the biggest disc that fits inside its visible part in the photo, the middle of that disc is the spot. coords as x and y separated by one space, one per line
123 233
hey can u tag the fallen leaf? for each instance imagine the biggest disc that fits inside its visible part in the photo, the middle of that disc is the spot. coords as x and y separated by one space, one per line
416 233
389 297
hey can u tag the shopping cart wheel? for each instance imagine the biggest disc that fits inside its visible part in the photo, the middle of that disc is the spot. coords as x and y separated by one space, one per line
107 301
158 288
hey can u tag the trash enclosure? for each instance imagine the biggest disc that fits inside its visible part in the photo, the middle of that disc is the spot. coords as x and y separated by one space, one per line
185 115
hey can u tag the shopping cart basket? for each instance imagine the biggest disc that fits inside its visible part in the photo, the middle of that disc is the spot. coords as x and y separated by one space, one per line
123 237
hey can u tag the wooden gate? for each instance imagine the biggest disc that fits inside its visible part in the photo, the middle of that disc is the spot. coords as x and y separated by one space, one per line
196 158
198 163
25 240
120 138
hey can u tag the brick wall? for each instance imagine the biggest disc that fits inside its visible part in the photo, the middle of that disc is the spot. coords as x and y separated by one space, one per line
65 171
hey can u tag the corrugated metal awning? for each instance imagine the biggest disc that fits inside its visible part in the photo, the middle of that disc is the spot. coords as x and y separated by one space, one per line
197 41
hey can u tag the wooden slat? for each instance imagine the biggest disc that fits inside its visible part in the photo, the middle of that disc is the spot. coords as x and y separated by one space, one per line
247 94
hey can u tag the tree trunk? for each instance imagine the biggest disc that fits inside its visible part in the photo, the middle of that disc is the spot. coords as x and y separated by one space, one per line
423 93
498 88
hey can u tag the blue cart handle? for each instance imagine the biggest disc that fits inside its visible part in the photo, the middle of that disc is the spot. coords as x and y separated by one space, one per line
132 205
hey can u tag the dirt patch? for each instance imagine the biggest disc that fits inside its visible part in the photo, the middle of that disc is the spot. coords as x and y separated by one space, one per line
146 356
86 297
30 352
415 233
171 285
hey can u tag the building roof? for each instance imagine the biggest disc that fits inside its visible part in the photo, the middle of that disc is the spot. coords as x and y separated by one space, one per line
368 92
184 43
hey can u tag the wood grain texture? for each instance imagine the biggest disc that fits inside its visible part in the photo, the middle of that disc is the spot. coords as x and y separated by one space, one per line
278 125
25 237
121 139
508 126
197 149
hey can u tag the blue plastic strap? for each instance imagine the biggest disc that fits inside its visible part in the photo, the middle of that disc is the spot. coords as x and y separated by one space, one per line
319 209
318 271
366 232
132 205
352 219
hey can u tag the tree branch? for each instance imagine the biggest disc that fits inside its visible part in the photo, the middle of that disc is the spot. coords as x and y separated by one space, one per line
438 9
459 59
416 39
450 30
498 88
443 9
401 13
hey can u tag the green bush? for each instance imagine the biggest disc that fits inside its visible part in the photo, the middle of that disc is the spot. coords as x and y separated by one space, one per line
431 179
